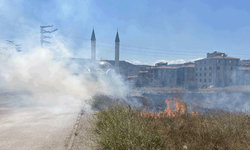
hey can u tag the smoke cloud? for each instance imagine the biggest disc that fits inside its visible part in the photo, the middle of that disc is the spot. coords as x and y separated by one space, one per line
51 80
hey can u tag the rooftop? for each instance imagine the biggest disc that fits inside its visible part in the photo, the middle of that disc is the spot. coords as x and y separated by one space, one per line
188 66
164 67
217 57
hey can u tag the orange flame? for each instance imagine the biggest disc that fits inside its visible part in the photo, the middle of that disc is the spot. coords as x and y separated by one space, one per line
179 108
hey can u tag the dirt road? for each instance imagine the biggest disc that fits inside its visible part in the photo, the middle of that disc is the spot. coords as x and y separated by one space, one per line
37 128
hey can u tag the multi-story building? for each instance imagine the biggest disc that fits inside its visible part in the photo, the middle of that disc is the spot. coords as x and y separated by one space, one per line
143 79
217 69
186 75
243 76
162 75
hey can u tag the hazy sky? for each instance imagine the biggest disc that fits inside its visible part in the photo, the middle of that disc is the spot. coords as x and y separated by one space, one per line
150 31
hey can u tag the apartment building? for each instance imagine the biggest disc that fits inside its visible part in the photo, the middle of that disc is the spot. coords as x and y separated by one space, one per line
217 69
186 75
243 76
162 75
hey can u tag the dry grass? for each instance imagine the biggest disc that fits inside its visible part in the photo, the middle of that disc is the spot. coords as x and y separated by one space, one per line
122 127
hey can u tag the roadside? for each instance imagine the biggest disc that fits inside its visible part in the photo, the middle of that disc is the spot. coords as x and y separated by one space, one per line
83 139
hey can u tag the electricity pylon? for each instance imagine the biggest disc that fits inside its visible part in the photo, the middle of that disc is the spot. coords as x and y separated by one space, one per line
18 47
42 31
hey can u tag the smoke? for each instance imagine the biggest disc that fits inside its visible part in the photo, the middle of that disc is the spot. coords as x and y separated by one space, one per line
54 80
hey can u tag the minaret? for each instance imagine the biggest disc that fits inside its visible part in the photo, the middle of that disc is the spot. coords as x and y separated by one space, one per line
117 45
93 46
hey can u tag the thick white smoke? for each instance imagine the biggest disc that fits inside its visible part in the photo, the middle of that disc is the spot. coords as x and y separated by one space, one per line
50 80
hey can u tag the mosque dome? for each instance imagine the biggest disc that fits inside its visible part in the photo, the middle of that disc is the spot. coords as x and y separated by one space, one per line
105 65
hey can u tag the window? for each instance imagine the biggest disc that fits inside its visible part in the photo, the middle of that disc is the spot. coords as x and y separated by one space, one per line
200 68
200 80
205 62
205 74
209 80
196 69
218 61
205 68
231 68
218 67
200 74
210 68
209 74
200 62
196 74
230 61
205 80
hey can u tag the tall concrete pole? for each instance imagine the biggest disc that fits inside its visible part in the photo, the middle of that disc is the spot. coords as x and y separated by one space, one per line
117 47
93 46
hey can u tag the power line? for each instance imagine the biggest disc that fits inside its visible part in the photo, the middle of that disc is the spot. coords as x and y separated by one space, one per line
13 12
140 51
65 35
136 47
19 27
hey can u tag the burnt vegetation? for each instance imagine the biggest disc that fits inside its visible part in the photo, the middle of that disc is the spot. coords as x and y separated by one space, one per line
120 126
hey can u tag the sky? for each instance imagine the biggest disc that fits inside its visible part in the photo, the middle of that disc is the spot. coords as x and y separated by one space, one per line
175 31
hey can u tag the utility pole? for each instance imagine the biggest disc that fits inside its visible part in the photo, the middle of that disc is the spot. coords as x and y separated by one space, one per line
18 47
42 31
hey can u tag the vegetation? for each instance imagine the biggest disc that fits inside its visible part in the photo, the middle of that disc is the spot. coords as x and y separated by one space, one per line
121 127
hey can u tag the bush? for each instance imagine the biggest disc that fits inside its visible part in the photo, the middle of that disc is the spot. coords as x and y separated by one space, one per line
101 101
122 127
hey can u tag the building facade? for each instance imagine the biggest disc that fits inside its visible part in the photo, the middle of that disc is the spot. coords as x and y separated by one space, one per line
243 76
217 69
162 75
186 75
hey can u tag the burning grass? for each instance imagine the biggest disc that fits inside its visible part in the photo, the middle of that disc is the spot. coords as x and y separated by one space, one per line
122 127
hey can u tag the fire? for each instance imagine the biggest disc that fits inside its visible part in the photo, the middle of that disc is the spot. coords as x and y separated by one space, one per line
179 108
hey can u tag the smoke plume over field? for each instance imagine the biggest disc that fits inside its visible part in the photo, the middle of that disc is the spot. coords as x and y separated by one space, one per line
52 81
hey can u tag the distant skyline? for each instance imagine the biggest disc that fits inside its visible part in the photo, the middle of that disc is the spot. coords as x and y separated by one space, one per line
150 31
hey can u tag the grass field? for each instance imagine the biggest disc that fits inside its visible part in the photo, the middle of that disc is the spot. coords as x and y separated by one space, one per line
120 126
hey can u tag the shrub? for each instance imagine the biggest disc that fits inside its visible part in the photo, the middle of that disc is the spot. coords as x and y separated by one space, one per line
119 126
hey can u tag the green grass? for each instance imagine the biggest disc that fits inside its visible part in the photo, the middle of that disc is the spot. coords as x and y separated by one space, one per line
121 127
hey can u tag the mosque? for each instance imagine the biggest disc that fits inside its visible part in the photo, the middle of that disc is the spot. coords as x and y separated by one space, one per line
105 64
